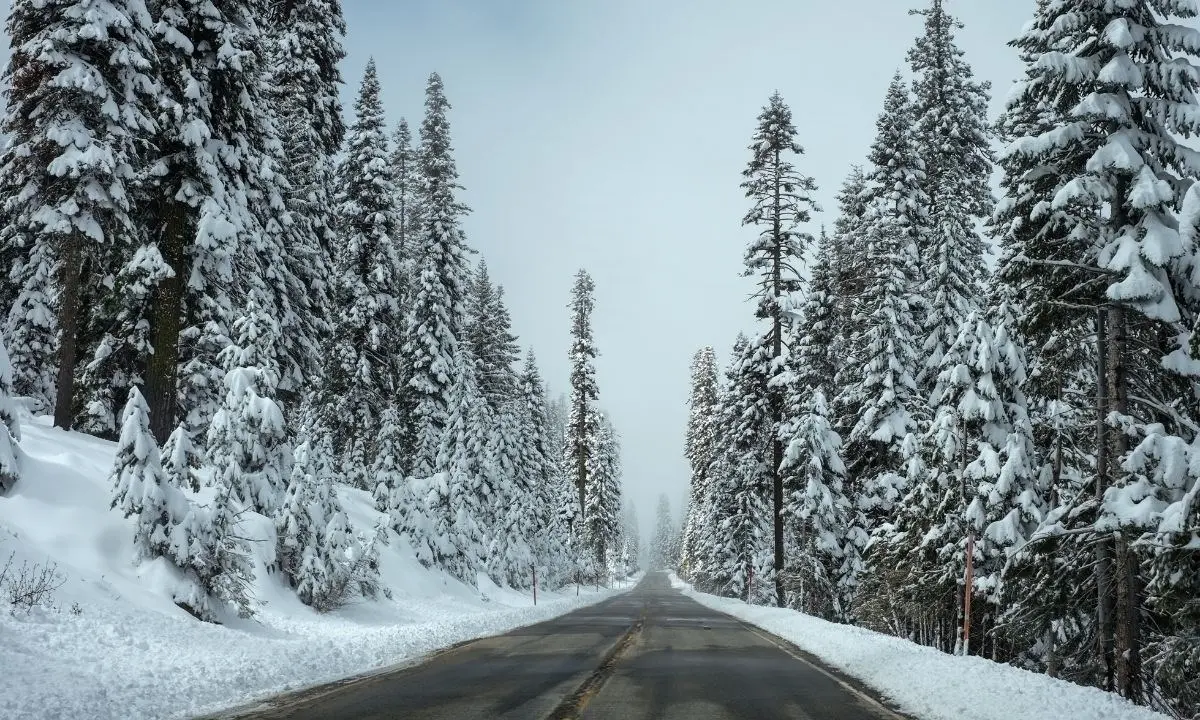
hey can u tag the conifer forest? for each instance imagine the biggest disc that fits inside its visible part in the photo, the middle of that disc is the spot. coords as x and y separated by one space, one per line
965 412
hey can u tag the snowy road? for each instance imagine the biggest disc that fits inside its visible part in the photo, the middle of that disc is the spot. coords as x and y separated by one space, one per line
650 653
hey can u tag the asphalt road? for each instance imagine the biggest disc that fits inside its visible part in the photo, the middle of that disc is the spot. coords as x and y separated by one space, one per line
650 653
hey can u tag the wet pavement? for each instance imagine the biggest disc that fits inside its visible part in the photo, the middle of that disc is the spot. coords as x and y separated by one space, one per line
648 654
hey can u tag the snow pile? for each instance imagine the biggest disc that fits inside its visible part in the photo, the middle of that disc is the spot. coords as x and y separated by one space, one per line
115 646
927 683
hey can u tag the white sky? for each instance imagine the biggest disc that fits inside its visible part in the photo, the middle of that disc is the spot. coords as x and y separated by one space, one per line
610 134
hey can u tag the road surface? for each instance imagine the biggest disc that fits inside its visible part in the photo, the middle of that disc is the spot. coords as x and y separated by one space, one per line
649 654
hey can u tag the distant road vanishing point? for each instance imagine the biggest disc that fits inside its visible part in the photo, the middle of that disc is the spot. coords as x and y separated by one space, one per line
649 654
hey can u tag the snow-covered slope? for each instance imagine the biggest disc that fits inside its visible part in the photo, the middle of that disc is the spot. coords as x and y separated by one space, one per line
117 647
928 683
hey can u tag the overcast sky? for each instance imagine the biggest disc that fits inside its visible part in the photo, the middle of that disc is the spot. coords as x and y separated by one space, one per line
610 135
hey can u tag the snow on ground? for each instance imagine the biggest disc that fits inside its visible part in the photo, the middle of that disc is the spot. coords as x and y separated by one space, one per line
926 683
117 647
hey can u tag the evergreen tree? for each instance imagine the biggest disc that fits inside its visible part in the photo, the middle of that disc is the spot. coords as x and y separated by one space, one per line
661 557
1120 82
248 430
360 374
405 172
740 547
951 137
513 513
782 202
581 429
10 427
435 325
884 393
539 466
140 488
217 216
701 445
78 88
602 500
825 558
461 497
489 331
306 49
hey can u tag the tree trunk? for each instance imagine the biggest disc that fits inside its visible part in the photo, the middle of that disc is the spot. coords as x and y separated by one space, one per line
1103 571
1127 631
161 388
68 328
776 402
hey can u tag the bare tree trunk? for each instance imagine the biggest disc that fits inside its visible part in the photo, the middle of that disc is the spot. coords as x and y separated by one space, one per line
1127 631
162 381
68 328
1103 571
776 402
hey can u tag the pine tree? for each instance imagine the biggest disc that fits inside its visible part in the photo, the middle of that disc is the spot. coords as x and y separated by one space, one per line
461 496
489 332
217 216
581 429
304 55
307 37
405 167
825 558
884 393
542 471
140 487
392 494
700 450
951 136
10 427
661 557
740 523
78 88
361 374
1120 82
602 499
435 325
513 513
782 202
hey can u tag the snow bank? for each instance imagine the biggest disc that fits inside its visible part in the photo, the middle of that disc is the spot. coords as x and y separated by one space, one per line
926 683
117 647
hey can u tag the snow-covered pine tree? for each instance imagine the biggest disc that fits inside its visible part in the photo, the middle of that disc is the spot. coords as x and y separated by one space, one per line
602 500
740 519
544 475
581 429
214 558
392 495
489 332
10 427
461 498
883 393
361 371
247 439
660 543
700 449
139 485
1122 81
298 526
825 543
951 136
182 460
848 253
306 47
1049 592
218 214
435 325
79 93
782 203
405 173
307 38
513 512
